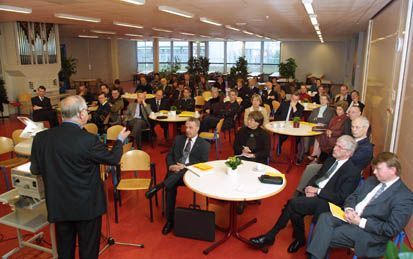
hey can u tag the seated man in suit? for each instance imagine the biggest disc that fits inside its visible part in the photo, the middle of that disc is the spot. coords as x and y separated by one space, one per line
355 101
136 117
337 179
187 149
186 103
143 86
157 104
99 116
376 212
116 106
215 98
166 89
343 95
42 108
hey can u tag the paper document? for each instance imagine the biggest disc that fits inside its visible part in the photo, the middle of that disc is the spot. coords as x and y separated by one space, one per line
32 128
336 211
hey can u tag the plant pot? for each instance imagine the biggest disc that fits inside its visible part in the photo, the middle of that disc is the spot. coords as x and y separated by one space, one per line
172 113
231 172
296 124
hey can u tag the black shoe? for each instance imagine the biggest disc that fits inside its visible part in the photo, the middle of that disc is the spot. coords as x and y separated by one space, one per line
167 228
261 241
298 161
240 207
295 245
151 192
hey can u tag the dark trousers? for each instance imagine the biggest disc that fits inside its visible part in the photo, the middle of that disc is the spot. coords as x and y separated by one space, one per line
209 122
88 234
295 210
137 125
46 115
172 182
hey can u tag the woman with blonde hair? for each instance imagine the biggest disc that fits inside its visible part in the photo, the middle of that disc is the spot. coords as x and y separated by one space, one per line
256 106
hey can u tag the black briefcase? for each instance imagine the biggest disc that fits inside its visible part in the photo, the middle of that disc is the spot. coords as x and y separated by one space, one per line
195 224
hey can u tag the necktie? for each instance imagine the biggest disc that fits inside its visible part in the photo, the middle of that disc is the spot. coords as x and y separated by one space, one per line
157 104
327 175
289 113
379 191
186 152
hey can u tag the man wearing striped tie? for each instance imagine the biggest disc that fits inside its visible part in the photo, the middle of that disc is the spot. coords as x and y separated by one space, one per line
336 180
376 212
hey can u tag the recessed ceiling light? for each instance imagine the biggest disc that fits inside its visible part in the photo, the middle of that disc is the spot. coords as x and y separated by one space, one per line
231 28
175 11
259 36
88 36
137 2
160 29
204 36
76 17
313 19
133 35
103 32
247 32
187 33
15 9
124 24
308 7
206 20
241 23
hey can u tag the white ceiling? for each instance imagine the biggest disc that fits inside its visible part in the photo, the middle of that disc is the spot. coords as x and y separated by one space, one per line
277 19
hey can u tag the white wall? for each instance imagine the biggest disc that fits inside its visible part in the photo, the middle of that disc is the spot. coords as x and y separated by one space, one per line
126 59
317 58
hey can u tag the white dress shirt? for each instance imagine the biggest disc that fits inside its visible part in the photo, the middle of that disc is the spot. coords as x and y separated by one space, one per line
322 184
321 111
192 145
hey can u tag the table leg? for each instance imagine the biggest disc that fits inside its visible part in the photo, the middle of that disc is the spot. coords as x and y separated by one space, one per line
293 150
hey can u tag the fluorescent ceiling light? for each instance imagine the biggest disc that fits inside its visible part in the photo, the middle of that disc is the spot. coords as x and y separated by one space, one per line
175 11
88 36
204 36
128 25
175 39
267 38
220 38
313 19
76 17
259 36
137 2
187 33
316 27
15 9
133 35
308 6
247 32
160 29
120 38
206 20
231 28
103 32
136 39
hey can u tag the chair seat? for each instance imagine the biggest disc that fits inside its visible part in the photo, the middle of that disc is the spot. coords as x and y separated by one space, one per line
16 161
133 184
208 135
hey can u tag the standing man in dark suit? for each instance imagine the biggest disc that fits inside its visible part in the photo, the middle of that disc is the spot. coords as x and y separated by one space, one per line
376 212
186 150
68 159
42 108
157 104
337 179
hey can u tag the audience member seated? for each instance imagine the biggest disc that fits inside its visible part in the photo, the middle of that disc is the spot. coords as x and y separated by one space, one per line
252 142
336 180
157 104
220 110
177 92
375 213
166 89
253 85
324 143
215 98
273 93
99 116
143 86
321 116
186 103
355 101
343 95
104 88
83 91
136 117
42 108
187 149
116 85
220 84
116 107
316 83
245 93
156 82
320 91
353 113
189 83
304 96
256 106
202 86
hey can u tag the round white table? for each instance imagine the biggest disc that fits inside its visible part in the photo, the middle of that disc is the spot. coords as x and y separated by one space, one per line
24 148
243 186
133 96
287 129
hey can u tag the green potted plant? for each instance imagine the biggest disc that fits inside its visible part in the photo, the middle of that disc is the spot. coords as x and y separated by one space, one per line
232 164
198 66
172 111
68 68
239 71
287 68
3 97
296 122
392 252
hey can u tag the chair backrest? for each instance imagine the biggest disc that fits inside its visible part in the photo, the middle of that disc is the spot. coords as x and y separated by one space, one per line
6 145
275 105
207 95
91 128
199 100
127 147
16 136
113 132
25 100
135 160
219 126
268 108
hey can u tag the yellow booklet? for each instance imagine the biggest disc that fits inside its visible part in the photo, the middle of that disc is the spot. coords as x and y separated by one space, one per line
337 211
275 174
203 166
186 114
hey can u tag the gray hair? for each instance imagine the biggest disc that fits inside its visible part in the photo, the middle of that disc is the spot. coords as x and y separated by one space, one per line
364 121
350 144
72 105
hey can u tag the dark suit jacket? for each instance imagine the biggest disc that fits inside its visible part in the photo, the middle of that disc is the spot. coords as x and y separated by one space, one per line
144 88
261 147
282 112
186 104
167 90
164 105
68 159
363 154
199 152
328 114
45 104
386 216
341 185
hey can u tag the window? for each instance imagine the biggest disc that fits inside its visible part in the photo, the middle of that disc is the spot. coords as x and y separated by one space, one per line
271 56
165 55
145 56
234 51
181 53
253 55
216 56
198 46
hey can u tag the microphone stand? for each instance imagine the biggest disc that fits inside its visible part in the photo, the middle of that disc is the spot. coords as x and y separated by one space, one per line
110 241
